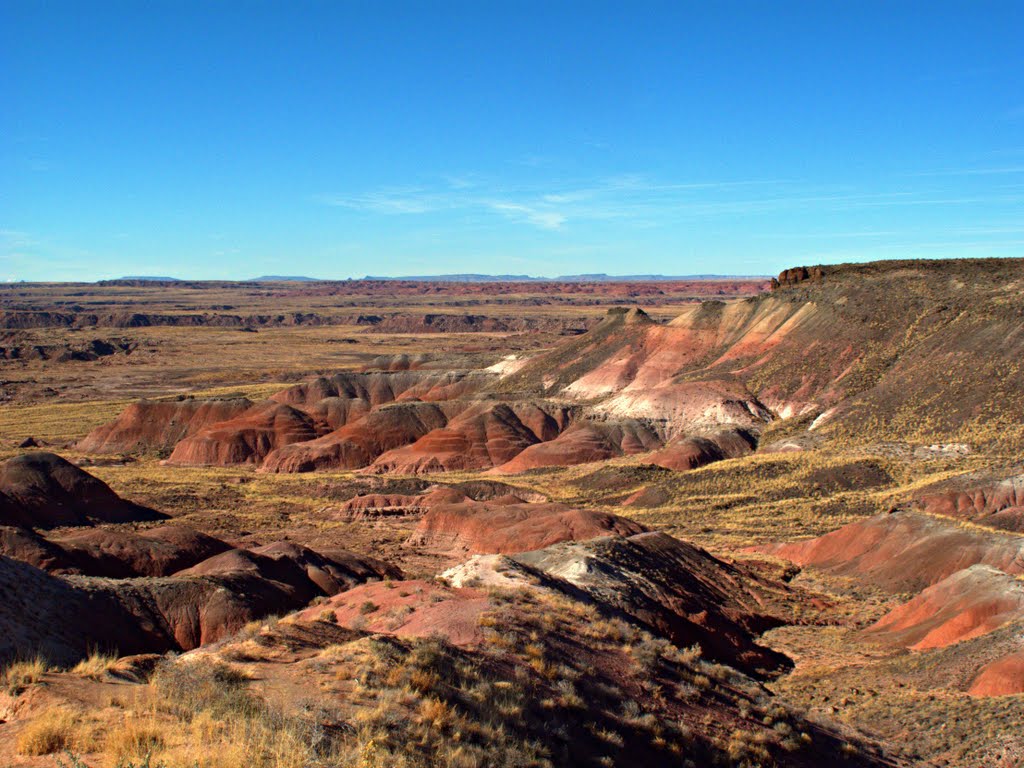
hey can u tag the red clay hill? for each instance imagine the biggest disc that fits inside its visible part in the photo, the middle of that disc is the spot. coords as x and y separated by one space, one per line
949 545
42 490
829 345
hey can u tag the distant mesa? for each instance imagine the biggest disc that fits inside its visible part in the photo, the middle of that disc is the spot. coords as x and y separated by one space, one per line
282 279
472 278
260 279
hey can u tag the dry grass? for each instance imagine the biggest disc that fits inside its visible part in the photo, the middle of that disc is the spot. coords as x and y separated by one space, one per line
19 675
57 422
95 665
57 729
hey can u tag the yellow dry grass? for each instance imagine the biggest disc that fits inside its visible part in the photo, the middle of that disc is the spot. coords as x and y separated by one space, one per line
95 665
19 675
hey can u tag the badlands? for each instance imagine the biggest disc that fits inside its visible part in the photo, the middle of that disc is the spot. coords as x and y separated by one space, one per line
410 523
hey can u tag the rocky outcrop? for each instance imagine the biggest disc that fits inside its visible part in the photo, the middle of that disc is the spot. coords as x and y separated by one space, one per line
669 587
12 348
461 323
798 275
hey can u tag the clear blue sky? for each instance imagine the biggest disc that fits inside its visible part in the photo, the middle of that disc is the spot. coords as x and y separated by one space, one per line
335 139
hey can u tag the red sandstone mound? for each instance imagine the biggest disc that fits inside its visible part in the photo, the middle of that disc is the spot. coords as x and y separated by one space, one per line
1003 677
121 554
147 425
676 590
646 497
970 603
47 615
42 490
696 451
415 608
510 525
906 551
585 441
358 444
482 436
246 439
30 547
66 617
303 570
997 504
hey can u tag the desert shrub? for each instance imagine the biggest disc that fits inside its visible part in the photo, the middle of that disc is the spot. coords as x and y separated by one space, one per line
185 689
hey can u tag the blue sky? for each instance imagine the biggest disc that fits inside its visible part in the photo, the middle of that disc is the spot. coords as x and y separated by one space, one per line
337 139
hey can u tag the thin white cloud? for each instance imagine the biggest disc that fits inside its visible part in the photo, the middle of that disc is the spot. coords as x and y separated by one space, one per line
974 171
641 202
544 219
403 201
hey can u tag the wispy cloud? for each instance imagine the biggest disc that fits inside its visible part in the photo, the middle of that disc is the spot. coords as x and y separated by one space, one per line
545 219
973 171
407 200
640 201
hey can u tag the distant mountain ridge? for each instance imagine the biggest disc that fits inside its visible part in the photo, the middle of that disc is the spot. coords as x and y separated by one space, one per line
600 277
453 278
282 279
151 278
